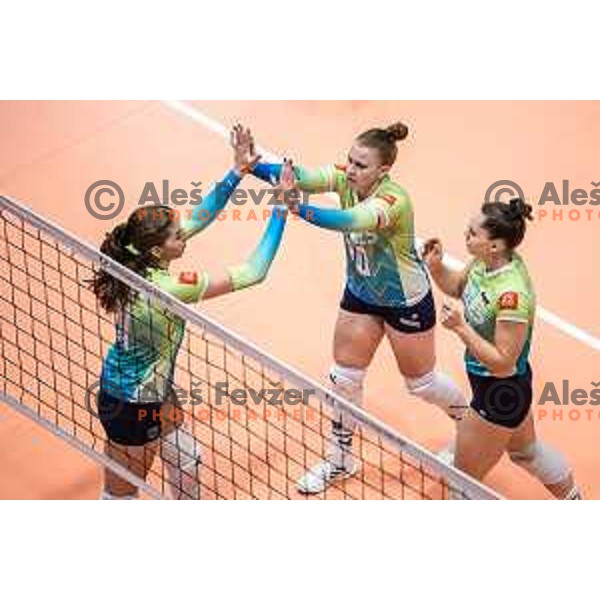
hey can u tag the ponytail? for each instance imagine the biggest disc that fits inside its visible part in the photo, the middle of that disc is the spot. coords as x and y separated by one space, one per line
132 245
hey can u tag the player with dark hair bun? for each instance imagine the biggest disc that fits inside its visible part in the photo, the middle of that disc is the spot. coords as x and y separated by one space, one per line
496 328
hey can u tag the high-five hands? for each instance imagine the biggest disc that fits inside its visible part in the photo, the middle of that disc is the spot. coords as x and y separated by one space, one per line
287 188
245 156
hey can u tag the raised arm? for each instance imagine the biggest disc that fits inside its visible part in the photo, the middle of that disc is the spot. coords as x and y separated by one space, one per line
202 215
377 212
372 214
245 159
323 179
255 268
190 287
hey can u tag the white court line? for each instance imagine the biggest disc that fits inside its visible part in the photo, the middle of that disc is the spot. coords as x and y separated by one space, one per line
544 314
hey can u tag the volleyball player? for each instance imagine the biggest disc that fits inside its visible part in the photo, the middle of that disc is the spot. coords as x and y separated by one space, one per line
387 292
496 328
138 370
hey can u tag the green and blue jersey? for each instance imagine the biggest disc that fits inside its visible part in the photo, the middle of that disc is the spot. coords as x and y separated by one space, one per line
139 366
505 294
383 266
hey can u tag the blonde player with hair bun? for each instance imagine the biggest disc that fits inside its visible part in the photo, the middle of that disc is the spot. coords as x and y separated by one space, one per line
388 292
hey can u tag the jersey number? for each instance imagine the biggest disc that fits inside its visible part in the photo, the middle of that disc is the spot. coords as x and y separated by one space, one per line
360 259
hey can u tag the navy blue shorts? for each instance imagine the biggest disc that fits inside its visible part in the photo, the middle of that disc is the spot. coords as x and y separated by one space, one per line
129 423
503 401
411 319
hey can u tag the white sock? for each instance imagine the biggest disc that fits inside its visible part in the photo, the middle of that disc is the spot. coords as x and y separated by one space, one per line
180 452
348 383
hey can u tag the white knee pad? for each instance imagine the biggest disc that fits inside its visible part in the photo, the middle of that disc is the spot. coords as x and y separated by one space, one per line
543 462
348 382
440 390
180 453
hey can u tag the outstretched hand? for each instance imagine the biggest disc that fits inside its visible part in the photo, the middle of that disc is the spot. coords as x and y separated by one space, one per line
287 190
245 157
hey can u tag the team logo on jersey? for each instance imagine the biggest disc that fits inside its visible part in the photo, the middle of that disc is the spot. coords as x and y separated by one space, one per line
188 277
509 301
388 198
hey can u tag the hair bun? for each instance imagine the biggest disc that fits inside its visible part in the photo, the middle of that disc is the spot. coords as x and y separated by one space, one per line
397 132
519 209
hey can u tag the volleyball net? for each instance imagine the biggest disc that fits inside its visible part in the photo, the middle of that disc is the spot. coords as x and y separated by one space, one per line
258 422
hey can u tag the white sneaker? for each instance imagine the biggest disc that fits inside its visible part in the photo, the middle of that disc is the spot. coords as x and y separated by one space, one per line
322 474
